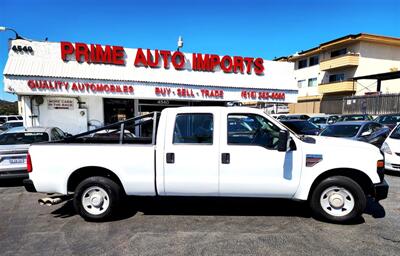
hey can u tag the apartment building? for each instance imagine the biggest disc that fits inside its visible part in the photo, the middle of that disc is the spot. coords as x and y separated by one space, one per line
325 74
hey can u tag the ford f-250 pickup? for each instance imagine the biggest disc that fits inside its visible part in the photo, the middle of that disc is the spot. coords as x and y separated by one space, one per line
208 151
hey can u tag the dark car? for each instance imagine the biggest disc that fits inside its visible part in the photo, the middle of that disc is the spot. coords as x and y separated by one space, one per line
356 117
295 117
389 120
302 127
368 131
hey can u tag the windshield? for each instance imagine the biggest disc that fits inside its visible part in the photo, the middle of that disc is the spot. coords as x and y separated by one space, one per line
318 120
345 131
396 133
23 138
353 118
388 119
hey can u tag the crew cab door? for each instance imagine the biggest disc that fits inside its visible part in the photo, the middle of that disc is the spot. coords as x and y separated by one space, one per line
255 167
191 153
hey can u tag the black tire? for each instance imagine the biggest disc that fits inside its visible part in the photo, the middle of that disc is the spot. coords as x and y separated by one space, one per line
114 196
360 200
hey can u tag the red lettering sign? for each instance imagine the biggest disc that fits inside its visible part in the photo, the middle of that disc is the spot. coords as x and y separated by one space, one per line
95 53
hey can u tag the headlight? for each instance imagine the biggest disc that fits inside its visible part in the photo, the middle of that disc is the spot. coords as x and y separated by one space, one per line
386 149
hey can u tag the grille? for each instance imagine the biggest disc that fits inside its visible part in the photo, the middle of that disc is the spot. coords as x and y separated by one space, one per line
397 166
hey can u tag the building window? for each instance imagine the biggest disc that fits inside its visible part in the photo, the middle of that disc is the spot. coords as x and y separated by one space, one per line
302 64
312 82
338 52
336 78
301 83
193 129
314 60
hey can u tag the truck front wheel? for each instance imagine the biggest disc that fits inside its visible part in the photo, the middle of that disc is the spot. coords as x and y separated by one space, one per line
96 198
338 199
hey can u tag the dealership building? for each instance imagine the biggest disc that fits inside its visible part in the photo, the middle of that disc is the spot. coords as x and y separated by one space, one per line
77 86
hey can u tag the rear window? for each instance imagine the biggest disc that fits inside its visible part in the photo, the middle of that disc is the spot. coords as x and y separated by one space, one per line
23 138
300 126
318 120
345 131
193 128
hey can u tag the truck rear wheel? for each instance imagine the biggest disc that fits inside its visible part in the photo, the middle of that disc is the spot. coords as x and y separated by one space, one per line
96 198
338 199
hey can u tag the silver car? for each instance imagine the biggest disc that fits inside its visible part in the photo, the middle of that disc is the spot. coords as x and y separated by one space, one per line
14 145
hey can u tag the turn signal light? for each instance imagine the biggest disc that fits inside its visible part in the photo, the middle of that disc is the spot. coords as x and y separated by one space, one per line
29 163
380 164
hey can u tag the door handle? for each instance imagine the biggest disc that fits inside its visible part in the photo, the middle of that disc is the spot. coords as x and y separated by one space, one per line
170 158
225 158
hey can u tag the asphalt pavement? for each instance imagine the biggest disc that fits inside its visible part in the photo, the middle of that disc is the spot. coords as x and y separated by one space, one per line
194 226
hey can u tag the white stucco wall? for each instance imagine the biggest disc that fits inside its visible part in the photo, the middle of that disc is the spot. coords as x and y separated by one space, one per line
374 59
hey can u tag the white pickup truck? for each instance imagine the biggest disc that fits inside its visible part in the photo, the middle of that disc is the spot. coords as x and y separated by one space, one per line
208 151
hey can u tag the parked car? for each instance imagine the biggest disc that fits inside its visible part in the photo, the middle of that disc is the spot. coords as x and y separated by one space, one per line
295 117
5 119
302 127
11 124
360 117
205 151
14 144
367 131
390 120
391 150
323 121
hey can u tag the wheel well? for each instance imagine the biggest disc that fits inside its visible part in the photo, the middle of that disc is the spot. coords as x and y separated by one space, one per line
359 177
85 172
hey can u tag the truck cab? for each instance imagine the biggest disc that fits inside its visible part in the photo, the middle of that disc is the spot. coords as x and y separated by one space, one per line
208 151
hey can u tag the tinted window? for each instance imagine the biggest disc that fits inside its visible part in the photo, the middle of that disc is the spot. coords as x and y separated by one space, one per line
336 78
12 118
314 60
3 120
193 128
250 129
23 138
338 52
302 64
341 131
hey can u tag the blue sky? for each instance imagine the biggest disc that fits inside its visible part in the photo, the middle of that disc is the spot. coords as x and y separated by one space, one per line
254 28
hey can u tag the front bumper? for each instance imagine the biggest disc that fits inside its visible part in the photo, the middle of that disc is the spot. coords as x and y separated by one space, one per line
28 184
381 190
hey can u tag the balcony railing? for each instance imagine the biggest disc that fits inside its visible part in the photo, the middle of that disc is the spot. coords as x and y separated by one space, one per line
347 60
335 87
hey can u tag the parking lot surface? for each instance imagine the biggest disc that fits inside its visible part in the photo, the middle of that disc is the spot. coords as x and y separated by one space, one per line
194 226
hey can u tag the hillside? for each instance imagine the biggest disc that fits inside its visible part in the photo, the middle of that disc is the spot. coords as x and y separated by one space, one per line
8 108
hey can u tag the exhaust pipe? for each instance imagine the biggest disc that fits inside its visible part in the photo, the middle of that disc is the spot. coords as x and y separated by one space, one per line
49 201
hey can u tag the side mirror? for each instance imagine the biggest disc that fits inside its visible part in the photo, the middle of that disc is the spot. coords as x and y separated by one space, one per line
283 141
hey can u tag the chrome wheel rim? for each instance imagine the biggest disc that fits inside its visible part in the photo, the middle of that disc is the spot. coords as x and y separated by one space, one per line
337 201
95 200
